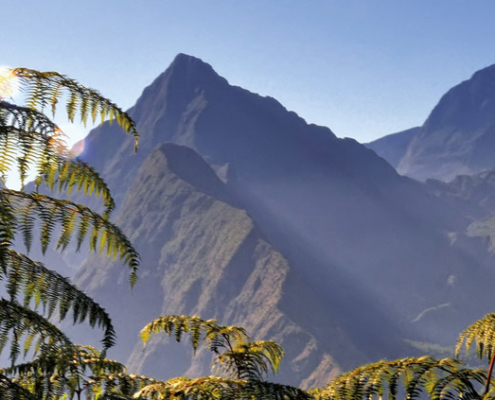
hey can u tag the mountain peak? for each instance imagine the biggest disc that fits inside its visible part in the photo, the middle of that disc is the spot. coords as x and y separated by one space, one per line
185 79
191 66
458 137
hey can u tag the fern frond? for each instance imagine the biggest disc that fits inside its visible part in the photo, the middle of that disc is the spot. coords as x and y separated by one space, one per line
10 389
251 360
438 379
70 369
30 140
48 88
177 325
39 142
236 354
76 173
17 321
215 388
125 385
220 337
51 211
33 280
482 333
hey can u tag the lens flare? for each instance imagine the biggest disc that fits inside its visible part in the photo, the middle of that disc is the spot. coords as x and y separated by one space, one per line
77 149
9 83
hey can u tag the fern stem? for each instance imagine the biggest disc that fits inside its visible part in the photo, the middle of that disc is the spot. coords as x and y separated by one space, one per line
236 362
489 376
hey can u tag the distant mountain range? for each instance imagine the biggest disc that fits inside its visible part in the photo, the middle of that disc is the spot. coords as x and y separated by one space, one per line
244 212
458 138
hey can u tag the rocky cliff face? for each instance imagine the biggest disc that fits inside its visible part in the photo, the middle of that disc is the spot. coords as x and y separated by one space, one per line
203 256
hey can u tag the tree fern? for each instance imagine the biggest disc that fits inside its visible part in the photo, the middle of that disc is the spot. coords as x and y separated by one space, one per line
45 89
412 378
75 219
482 332
78 372
53 292
242 362
29 140
235 354
218 388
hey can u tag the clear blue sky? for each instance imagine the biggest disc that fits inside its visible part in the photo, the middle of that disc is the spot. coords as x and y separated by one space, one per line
364 68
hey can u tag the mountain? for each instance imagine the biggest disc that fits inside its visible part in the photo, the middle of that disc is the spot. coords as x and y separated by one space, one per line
458 138
302 237
474 193
393 147
204 256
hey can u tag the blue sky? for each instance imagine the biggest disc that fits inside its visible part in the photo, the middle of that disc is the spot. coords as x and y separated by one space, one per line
364 68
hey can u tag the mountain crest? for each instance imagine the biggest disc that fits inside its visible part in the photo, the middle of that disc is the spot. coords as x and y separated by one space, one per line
192 67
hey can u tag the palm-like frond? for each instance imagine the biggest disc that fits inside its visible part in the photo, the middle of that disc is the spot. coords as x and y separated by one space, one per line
76 371
18 323
32 280
10 389
75 219
216 388
45 90
221 338
236 354
32 135
29 139
214 335
46 287
251 360
124 385
411 377
177 325
482 333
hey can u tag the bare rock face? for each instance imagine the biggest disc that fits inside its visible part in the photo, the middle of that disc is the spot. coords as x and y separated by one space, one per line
203 256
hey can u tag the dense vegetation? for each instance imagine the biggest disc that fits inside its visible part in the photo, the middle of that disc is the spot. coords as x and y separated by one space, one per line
54 368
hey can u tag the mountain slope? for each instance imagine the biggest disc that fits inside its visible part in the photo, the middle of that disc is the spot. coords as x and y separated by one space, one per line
202 256
393 147
474 193
457 138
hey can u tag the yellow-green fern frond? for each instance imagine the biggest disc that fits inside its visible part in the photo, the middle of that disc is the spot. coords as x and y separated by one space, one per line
409 377
177 325
33 280
18 322
235 354
73 218
29 139
47 89
80 370
125 385
482 333
75 173
220 337
216 388
10 389
251 360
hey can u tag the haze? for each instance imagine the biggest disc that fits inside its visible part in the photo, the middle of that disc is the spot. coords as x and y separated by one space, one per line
363 68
